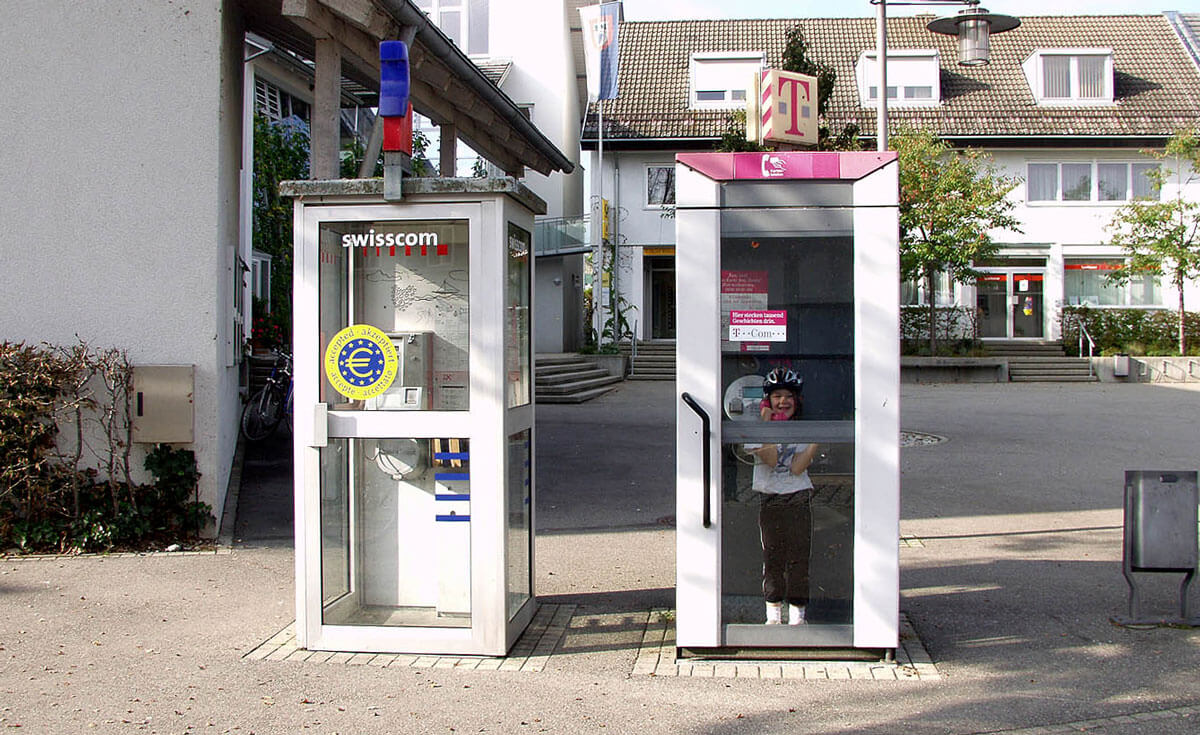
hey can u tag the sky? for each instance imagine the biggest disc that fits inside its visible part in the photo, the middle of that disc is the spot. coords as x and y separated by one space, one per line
688 9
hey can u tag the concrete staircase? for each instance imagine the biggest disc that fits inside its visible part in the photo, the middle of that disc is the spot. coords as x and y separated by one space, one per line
1044 362
654 361
570 379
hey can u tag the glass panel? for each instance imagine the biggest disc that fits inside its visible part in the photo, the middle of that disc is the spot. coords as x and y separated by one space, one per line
1144 186
477 17
1112 180
405 496
519 522
516 318
787 304
918 93
1085 283
410 281
1091 77
1043 182
1076 182
1056 77
660 185
1027 311
1145 291
710 95
335 521
991 299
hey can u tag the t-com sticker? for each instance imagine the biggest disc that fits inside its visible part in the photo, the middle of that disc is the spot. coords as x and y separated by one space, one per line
360 362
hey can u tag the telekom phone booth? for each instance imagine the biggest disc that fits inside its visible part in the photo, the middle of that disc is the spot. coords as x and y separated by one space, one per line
787 273
413 415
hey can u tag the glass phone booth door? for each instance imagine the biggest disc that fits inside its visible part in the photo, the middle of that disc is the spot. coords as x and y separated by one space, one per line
413 441
788 289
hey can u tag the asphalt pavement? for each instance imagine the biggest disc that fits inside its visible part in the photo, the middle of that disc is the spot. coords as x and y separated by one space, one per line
1010 575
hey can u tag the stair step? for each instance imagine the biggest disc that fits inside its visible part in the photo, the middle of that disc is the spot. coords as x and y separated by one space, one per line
651 376
573 376
579 397
559 368
541 360
576 386
1054 379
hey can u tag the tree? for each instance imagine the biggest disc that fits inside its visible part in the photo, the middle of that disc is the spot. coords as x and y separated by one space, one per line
949 203
796 59
280 154
1162 238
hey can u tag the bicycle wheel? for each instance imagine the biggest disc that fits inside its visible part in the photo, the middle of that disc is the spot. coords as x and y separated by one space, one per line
262 414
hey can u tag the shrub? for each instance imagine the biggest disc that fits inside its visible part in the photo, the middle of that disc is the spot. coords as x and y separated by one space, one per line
48 500
1126 331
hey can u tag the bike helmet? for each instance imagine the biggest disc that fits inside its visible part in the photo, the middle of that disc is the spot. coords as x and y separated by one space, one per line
783 378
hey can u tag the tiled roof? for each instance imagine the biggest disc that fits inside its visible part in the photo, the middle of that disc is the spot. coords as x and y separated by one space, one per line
1157 87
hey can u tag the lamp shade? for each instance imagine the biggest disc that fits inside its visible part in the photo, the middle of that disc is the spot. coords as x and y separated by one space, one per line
974 27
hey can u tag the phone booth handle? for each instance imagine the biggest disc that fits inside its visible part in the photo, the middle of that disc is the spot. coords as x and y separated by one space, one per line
705 430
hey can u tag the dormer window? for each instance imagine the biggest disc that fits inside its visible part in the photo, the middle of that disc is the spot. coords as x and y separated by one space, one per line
914 78
719 80
1071 76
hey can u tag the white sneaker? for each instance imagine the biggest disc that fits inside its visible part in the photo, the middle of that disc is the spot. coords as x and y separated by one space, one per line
795 614
774 613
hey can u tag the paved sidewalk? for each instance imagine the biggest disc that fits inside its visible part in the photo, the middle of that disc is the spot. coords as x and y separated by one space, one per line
1010 572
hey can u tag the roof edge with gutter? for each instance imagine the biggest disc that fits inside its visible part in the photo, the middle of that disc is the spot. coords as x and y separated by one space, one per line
458 62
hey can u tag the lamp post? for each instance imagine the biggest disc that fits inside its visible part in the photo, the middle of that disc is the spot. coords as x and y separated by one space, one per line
973 26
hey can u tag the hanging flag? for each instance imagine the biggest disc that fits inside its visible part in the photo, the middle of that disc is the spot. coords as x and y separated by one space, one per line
600 24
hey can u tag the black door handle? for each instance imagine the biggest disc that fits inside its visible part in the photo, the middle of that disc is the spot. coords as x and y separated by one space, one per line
706 427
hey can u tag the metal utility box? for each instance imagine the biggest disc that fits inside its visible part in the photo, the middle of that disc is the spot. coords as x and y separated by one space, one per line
1160 535
164 404
1160 524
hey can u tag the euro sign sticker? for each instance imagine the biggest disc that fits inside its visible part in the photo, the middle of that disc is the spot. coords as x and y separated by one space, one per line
361 362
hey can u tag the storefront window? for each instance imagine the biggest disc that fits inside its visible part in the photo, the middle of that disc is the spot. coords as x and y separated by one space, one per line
1086 283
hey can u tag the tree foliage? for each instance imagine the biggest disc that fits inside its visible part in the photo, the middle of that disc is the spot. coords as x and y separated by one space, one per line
280 154
1163 237
950 202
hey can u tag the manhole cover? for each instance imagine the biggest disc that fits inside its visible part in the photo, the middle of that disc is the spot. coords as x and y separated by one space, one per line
919 439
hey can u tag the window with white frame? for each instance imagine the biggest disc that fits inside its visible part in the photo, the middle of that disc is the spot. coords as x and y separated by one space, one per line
719 80
914 78
1071 76
464 21
660 185
1086 283
1091 181
274 104
914 293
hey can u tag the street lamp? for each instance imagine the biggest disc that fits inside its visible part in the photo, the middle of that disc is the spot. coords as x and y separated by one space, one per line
973 26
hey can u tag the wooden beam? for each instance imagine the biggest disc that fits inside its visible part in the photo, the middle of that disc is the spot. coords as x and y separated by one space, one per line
448 150
430 103
366 15
325 144
359 49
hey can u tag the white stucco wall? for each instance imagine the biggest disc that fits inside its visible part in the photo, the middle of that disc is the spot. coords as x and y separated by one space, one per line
535 35
123 122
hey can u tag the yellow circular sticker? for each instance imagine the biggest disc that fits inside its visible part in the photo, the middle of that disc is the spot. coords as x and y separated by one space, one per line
360 362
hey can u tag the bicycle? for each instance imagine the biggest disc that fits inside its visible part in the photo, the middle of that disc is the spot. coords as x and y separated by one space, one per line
267 407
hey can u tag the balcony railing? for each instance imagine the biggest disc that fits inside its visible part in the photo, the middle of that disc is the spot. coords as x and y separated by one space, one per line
561 236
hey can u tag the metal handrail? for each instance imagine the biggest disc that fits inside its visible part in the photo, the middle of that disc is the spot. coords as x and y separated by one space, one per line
633 340
1083 332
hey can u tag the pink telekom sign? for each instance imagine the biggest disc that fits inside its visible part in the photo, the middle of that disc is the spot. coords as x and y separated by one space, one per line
787 165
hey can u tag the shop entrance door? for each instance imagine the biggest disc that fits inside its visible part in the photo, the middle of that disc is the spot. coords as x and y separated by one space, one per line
662 298
795 278
413 426
1011 305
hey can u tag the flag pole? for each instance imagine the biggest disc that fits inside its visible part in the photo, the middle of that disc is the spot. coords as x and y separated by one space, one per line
598 258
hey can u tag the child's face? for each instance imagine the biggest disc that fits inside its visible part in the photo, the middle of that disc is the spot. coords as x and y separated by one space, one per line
783 401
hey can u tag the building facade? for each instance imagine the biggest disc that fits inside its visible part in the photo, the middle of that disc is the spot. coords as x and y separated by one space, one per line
1069 105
